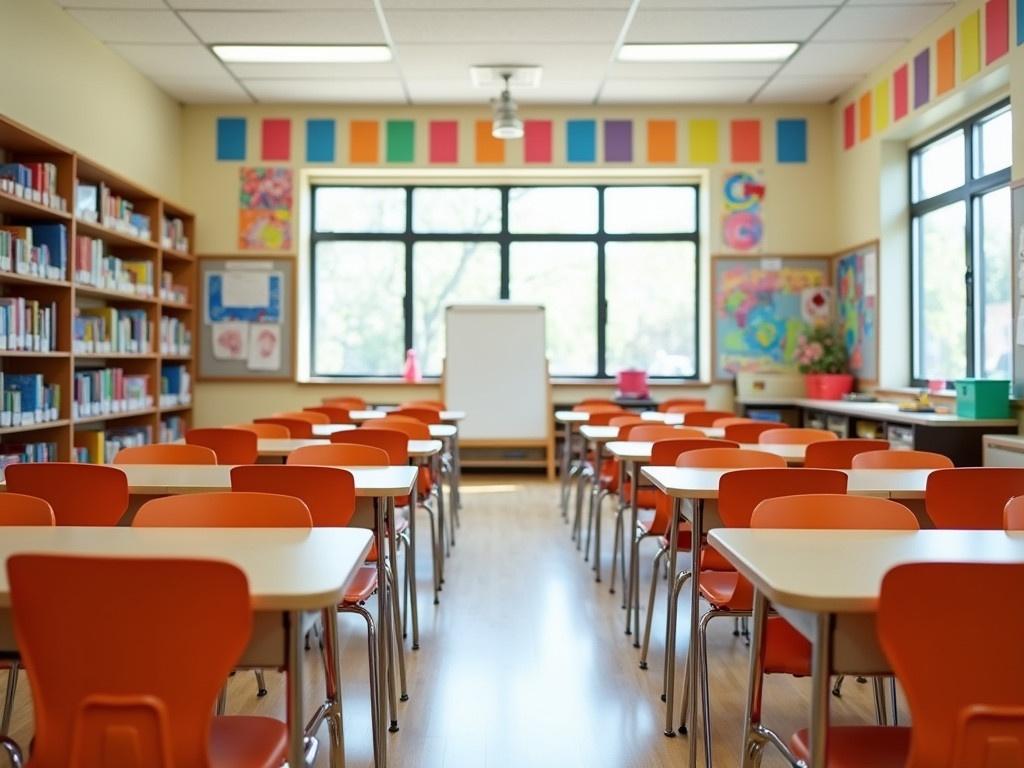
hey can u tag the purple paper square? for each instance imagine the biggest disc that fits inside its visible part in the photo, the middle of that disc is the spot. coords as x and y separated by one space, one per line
618 141
922 78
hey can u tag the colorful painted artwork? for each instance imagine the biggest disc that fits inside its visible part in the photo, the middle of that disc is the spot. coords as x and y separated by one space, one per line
265 209
857 309
742 211
762 307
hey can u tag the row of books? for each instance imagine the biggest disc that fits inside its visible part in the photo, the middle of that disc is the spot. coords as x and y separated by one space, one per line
103 391
97 203
94 267
40 250
23 453
172 428
27 325
173 235
110 330
35 182
175 386
170 291
27 400
175 337
101 446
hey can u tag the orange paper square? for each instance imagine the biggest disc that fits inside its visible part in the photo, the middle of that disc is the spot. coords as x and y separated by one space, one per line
364 141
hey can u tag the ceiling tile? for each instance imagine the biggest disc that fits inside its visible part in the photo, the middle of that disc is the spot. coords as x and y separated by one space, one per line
313 71
314 27
354 91
197 90
694 91
714 26
451 62
840 58
137 4
487 5
751 4
881 22
791 90
267 5
677 69
434 91
134 26
170 60
504 26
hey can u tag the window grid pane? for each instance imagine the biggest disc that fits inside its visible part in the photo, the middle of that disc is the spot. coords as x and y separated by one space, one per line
994 329
941 262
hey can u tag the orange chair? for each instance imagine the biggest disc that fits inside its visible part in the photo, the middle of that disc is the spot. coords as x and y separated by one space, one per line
338 455
426 415
971 497
750 432
795 436
649 432
267 431
1013 514
106 695
838 454
80 494
312 417
329 493
598 407
901 460
166 453
705 418
349 402
681 402
232 446
684 409
727 421
224 510
16 509
334 414
435 405
298 429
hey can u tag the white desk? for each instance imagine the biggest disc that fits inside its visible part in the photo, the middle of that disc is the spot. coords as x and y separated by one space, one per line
660 417
827 583
292 574
275 447
570 421
640 450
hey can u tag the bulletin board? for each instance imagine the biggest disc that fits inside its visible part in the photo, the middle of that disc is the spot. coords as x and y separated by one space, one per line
761 307
1017 278
247 320
856 299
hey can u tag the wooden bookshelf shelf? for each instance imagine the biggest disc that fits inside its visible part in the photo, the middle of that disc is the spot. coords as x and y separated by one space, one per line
120 296
176 408
116 356
171 253
26 209
59 423
164 304
15 277
176 358
115 416
25 353
112 236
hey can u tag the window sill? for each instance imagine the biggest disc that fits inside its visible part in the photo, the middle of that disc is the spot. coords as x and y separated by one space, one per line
436 381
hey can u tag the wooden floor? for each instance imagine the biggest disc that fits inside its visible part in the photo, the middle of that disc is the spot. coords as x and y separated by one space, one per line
524 664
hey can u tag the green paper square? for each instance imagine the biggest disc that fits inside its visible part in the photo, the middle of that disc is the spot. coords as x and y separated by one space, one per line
400 141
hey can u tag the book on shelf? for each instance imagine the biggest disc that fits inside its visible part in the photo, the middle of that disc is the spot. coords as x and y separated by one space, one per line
40 250
24 453
28 400
105 391
27 325
118 213
111 330
173 234
87 202
124 437
175 337
175 386
170 291
95 267
172 428
35 182
89 444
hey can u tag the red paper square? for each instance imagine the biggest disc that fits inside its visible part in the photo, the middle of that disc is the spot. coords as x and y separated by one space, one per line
537 137
444 141
277 139
849 126
900 92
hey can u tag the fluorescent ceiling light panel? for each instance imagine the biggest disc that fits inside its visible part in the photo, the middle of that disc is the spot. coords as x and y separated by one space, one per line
302 54
707 52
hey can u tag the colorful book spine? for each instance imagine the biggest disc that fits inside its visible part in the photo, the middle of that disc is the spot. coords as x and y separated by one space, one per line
124 437
95 267
40 250
173 235
28 400
171 291
23 453
175 337
103 391
118 213
35 182
172 428
175 386
27 325
110 330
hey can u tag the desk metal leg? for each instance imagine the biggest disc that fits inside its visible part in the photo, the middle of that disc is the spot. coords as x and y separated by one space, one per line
412 598
821 667
396 635
691 652
564 476
296 726
668 684
753 741
383 635
457 471
632 591
332 677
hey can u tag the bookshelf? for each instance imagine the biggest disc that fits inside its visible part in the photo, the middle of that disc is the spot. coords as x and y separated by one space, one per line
118 319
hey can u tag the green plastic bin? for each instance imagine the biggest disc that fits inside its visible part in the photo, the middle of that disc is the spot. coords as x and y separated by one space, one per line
983 398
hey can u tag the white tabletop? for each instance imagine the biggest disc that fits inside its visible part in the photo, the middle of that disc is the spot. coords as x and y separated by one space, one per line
437 431
599 434
366 415
661 417
276 447
640 450
451 416
572 417
289 569
841 571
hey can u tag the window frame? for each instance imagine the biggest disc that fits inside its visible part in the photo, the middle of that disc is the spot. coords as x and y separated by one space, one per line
504 239
970 193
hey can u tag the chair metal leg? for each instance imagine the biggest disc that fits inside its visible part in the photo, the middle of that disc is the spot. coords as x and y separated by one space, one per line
12 688
12 750
837 687
705 693
881 708
668 682
435 563
261 683
371 639
390 648
615 552
399 645
662 552
222 699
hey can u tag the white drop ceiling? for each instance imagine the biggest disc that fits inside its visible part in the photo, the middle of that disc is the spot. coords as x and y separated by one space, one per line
434 43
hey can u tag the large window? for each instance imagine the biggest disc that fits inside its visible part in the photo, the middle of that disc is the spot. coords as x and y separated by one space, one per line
615 267
960 239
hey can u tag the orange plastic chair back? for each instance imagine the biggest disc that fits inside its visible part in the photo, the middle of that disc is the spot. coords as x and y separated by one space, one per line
727 421
625 423
968 713
1013 514
668 453
350 403
268 431
224 510
740 492
823 510
299 429
328 492
313 417
166 453
108 693
672 403
838 454
705 418
79 494
795 436
425 415
434 405
971 497
726 455
901 460
232 446
18 509
414 430
602 418
651 432
750 432
334 414
338 455
394 443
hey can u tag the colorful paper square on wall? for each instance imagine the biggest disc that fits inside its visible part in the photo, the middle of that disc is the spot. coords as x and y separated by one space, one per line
922 78
364 141
864 117
743 195
444 141
401 141
704 142
231 138
1020 22
277 139
970 46
945 63
882 106
745 141
488 148
581 141
849 126
791 140
997 29
900 92
537 137
320 135
265 209
618 141
661 141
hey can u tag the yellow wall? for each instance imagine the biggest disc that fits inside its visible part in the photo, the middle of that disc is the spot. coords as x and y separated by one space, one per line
59 80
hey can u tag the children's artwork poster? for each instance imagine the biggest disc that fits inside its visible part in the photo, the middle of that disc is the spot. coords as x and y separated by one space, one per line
743 211
247 296
230 340
265 209
857 309
761 309
264 347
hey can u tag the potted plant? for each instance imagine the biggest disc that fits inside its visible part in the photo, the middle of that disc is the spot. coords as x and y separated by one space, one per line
821 356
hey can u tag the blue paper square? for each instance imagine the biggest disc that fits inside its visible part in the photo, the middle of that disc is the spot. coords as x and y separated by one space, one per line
231 138
581 141
791 141
319 141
